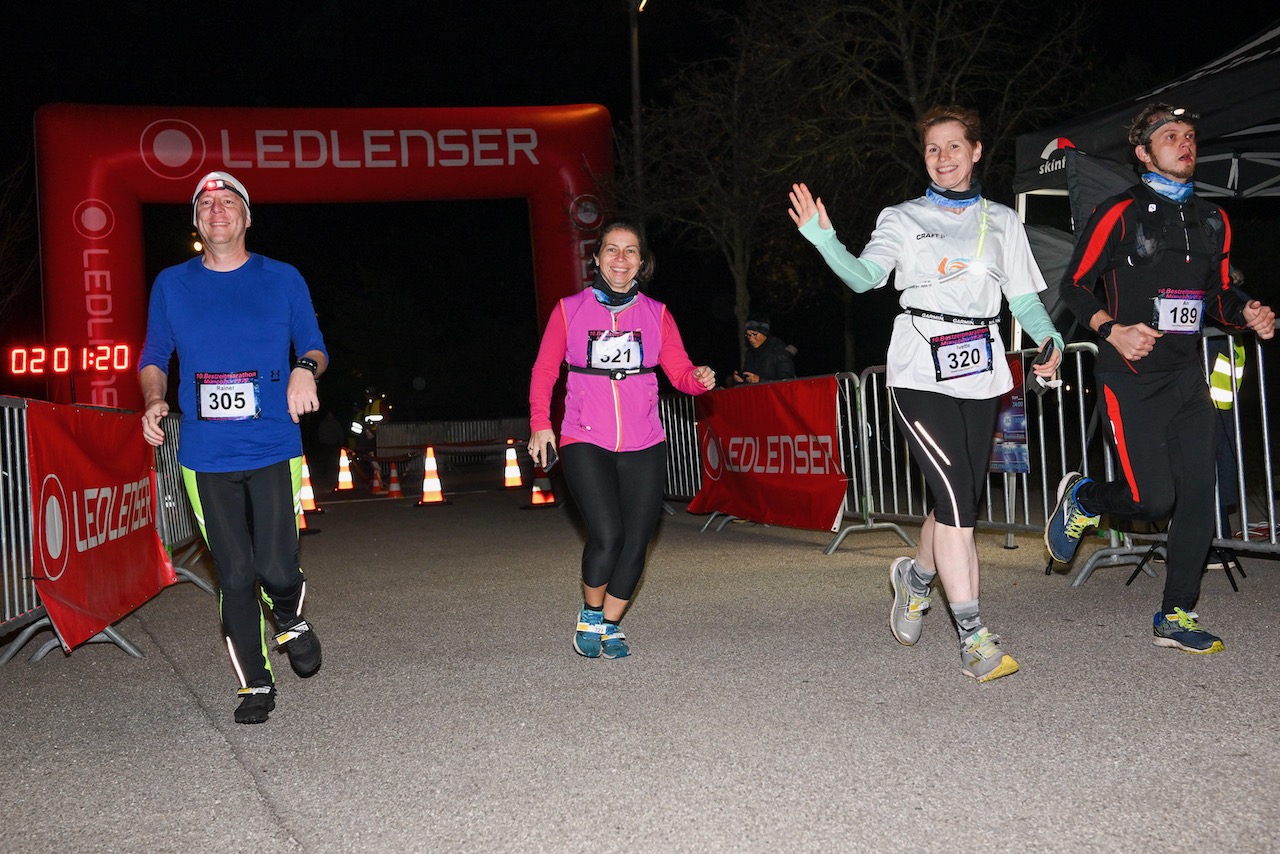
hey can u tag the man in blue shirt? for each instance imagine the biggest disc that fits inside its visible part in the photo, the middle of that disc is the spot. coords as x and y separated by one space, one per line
249 351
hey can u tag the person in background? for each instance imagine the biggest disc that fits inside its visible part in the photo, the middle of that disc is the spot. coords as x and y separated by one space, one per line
233 318
1163 256
768 356
613 338
956 254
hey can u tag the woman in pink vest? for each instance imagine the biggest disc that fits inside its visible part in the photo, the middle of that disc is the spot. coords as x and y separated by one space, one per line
613 338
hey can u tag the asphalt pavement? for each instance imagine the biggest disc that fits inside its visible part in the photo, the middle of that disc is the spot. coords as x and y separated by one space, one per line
766 706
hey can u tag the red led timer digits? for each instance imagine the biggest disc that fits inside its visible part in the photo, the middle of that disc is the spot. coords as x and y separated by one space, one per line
41 361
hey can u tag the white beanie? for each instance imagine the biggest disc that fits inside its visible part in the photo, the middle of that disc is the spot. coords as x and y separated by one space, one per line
219 181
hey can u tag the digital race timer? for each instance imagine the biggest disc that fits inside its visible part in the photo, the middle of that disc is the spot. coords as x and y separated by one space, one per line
43 361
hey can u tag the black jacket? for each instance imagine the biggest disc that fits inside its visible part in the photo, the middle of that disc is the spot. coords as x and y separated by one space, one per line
771 360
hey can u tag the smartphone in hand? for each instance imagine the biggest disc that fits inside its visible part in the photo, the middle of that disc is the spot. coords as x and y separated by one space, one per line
1045 354
1040 385
549 457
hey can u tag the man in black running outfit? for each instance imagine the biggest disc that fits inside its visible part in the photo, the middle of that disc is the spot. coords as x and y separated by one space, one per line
1163 256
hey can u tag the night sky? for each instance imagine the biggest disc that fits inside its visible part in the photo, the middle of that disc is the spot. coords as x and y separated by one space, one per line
432 278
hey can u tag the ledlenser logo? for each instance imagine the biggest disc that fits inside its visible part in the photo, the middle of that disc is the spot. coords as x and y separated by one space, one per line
713 457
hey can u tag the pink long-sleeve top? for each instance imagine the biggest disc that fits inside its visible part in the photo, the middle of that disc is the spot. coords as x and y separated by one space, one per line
615 414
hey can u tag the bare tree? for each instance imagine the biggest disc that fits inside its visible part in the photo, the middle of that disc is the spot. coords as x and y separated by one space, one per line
884 63
828 91
717 160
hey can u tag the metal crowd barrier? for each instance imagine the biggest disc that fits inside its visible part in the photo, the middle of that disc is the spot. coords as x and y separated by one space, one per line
684 470
23 613
455 442
1253 487
176 519
1065 432
1059 439
856 439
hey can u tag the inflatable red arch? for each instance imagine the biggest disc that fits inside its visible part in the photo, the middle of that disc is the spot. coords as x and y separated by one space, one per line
98 165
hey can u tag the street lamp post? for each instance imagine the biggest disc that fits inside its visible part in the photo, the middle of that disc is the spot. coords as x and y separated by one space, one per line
635 7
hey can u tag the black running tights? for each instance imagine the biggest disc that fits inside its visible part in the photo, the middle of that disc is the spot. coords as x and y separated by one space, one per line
620 497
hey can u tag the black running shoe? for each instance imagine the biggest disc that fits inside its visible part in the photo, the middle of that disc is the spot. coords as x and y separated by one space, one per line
300 641
257 705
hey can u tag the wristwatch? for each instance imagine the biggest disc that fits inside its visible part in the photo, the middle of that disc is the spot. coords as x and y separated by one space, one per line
1104 331
309 364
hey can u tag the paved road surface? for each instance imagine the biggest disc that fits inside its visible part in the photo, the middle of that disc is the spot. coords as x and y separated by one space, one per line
766 707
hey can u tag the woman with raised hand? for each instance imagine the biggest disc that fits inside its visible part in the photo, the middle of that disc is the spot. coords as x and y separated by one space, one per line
955 255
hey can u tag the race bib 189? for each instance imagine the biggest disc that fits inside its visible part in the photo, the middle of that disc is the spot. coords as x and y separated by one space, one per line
1179 311
227 396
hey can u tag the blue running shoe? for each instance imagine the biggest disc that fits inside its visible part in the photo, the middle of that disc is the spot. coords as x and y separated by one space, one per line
1180 630
1068 521
613 643
586 640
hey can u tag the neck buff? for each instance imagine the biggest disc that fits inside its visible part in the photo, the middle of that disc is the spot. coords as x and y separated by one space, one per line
954 198
1173 190
606 295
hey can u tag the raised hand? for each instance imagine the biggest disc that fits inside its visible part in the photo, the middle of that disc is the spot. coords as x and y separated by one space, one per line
804 206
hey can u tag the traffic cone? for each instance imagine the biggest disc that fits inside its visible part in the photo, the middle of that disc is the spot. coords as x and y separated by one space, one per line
512 478
303 530
308 494
344 472
393 489
542 495
376 488
431 491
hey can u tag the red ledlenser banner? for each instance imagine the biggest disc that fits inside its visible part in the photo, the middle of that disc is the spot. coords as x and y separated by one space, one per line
771 454
98 554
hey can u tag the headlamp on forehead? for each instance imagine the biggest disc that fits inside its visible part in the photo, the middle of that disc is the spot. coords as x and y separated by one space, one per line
218 181
1179 114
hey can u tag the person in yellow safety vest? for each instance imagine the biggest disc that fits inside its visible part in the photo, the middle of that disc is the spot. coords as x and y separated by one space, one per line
1224 384
1224 378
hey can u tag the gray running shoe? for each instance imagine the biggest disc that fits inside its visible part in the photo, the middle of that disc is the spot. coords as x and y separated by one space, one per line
906 615
981 657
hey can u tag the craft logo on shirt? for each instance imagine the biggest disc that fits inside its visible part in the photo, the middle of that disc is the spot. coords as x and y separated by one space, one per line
927 234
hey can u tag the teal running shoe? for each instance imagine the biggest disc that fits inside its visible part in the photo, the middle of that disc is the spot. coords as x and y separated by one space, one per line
586 640
1069 520
613 643
1181 630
